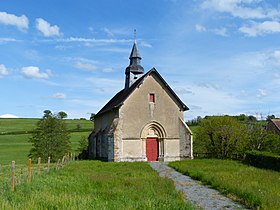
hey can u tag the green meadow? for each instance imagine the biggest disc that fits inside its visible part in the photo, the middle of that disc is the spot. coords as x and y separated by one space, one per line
15 133
255 188
96 185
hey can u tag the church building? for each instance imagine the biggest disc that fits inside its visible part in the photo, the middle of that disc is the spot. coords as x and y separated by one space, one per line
142 122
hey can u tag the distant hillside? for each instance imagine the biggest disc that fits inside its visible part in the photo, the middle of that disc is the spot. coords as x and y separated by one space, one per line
15 134
26 125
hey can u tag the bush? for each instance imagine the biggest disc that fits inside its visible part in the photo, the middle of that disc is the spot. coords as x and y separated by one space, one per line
265 160
222 136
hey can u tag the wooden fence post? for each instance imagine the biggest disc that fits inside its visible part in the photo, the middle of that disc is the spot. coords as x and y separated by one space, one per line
39 165
49 162
57 165
29 169
63 160
13 176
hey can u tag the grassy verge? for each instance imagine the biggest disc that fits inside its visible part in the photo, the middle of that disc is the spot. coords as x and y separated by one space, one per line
96 185
255 188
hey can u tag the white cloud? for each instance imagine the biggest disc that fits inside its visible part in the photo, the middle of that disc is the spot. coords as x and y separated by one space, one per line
245 9
84 63
108 32
212 102
200 28
8 116
256 28
34 72
4 40
220 31
261 93
3 70
45 27
21 22
59 95
145 44
112 85
95 41
85 66
108 69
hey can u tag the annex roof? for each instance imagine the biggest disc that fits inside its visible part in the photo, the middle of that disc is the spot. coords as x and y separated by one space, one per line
276 122
121 96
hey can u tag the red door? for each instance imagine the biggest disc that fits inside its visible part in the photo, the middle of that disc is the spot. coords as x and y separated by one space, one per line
152 149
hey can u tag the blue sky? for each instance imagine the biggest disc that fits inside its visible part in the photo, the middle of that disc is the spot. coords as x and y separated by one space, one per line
219 56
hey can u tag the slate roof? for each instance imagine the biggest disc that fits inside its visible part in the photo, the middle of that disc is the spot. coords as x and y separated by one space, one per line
135 52
121 96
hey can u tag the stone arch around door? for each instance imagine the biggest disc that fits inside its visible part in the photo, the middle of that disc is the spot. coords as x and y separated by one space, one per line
153 135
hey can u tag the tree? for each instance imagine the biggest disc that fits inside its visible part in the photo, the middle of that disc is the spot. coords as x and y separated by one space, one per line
270 117
92 117
222 136
83 144
262 140
62 115
47 113
50 138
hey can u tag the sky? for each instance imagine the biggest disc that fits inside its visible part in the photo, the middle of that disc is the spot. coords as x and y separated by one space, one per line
219 56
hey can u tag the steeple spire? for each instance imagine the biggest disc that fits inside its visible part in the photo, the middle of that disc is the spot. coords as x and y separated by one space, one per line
134 70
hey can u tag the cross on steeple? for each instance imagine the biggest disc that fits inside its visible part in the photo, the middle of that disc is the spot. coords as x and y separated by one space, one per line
135 35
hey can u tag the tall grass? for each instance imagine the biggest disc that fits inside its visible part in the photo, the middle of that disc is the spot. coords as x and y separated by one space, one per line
96 185
255 188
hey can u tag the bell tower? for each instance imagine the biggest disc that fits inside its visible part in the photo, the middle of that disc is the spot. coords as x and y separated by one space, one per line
134 71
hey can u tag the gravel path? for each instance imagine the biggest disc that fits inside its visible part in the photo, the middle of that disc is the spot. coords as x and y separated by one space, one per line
199 195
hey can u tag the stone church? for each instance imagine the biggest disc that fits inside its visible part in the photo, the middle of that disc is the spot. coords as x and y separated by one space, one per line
142 122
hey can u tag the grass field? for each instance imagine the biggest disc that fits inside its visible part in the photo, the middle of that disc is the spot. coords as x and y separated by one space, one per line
28 124
16 146
255 188
96 185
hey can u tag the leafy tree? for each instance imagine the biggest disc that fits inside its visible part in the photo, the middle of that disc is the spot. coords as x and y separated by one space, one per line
47 113
62 115
223 136
83 144
50 138
92 117
252 118
194 121
270 117
262 140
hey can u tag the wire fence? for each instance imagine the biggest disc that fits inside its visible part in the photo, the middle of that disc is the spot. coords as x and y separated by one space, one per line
17 173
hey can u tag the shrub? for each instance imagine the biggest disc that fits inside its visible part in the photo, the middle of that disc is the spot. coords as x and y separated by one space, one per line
223 136
265 160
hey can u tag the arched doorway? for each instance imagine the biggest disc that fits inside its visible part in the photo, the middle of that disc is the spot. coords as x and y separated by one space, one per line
153 135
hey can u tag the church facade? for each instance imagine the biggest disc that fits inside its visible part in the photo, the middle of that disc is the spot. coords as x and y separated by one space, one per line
142 122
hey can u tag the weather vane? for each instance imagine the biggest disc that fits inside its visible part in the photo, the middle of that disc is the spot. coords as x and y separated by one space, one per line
134 35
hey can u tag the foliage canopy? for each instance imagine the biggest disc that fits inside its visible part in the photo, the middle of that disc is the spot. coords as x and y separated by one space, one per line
50 138
222 136
228 137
